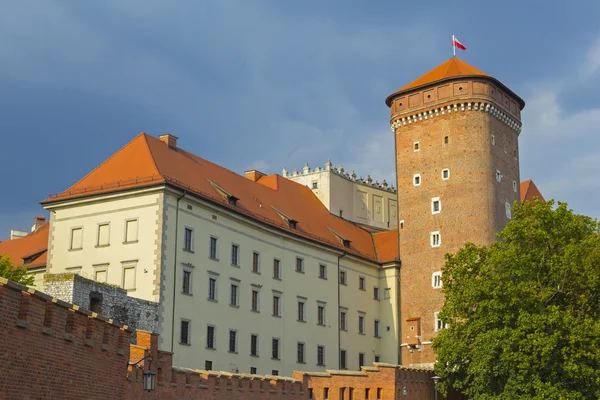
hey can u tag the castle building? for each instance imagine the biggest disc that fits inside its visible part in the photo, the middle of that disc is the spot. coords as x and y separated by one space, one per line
456 133
368 203
252 273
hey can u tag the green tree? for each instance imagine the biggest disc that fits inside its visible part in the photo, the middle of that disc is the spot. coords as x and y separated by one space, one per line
18 274
524 313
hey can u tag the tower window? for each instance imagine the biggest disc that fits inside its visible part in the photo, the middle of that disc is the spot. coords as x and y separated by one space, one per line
436 240
315 185
514 186
445 174
508 212
436 205
416 179
493 140
445 139
439 324
498 175
416 146
436 280
402 224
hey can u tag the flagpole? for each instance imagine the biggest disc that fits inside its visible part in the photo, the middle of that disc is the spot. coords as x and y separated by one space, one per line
453 46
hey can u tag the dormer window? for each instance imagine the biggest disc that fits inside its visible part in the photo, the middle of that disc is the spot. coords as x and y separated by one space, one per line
346 243
291 223
232 200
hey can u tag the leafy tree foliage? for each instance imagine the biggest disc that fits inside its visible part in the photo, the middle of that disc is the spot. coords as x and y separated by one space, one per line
524 313
18 274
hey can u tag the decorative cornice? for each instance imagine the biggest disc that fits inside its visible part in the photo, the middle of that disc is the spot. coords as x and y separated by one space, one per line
470 106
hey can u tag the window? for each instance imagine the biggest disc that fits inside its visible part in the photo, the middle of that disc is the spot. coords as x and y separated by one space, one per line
361 359
185 332
253 370
436 280
376 330
439 324
187 281
321 355
416 179
378 393
376 293
301 309
276 306
361 324
103 234
342 359
232 341
343 277
255 262
210 337
435 239
498 175
445 174
362 285
323 271
275 348
255 301
436 205
276 269
235 251
310 394
76 238
101 275
131 231
367 393
445 139
343 321
315 185
208 365
299 264
386 293
274 372
187 239
300 353
129 276
321 315
213 248
514 186
254 345
493 140
416 146
234 295
376 358
508 213
325 393
212 289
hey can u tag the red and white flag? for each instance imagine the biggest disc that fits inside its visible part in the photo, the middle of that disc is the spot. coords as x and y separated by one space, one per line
458 44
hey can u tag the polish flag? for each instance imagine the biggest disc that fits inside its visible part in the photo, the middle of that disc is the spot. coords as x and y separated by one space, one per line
458 44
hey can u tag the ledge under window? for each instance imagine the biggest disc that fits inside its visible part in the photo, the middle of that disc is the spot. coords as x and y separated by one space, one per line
131 242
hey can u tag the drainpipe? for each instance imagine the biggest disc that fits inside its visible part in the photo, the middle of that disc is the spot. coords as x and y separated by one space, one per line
175 272
338 310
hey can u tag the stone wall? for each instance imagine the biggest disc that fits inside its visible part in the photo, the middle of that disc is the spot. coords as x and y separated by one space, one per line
110 301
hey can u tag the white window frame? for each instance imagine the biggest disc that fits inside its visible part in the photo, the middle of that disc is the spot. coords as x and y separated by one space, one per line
192 234
436 321
493 140
216 257
74 228
498 175
436 277
362 326
362 283
235 345
377 328
257 262
324 305
189 331
212 275
137 233
129 265
237 293
387 293
188 268
324 268
417 177
279 310
515 186
343 276
508 210
416 146
344 326
98 234
433 201
101 268
237 254
376 290
301 270
257 290
433 241
214 337
448 171
301 300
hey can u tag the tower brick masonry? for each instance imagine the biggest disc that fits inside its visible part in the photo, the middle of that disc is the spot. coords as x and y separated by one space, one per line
456 133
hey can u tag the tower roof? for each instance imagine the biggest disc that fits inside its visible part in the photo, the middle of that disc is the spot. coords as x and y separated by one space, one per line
453 68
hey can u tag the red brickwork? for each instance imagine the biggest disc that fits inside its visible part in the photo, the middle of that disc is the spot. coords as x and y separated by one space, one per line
454 131
48 350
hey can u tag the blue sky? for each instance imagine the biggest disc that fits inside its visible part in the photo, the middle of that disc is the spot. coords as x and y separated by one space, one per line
268 84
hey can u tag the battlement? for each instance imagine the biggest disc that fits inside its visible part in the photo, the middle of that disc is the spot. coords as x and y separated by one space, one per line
339 171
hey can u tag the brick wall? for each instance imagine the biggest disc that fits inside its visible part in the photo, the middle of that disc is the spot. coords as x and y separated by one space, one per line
50 349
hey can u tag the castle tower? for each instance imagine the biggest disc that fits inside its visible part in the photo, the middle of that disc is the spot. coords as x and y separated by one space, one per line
457 160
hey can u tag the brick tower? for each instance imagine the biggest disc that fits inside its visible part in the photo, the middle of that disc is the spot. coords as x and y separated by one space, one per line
457 161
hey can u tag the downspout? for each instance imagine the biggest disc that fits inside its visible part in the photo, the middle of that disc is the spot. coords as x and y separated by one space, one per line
338 311
398 283
175 272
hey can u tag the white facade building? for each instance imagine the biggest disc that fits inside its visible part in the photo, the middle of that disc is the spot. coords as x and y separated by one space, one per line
251 274
359 200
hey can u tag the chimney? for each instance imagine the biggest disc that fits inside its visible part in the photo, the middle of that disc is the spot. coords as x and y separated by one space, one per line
39 221
253 175
170 140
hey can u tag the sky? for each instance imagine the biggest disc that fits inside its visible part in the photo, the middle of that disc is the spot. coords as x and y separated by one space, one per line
273 84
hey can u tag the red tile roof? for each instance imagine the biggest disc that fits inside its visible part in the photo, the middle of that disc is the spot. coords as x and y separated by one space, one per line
386 244
31 248
147 161
453 68
529 191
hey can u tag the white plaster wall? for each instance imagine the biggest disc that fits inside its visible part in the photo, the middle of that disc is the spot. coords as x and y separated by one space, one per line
114 210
